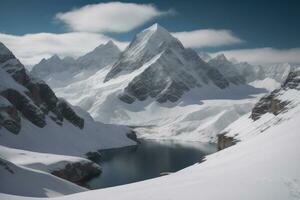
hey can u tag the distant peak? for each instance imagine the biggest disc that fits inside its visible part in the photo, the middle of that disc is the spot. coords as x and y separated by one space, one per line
4 50
157 28
54 57
221 57
110 43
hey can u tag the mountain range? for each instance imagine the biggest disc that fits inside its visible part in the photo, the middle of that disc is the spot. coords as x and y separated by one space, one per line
55 118
159 86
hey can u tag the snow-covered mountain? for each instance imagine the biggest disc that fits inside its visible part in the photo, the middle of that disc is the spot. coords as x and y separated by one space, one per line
167 69
53 65
228 69
101 56
237 72
163 88
32 117
61 72
278 72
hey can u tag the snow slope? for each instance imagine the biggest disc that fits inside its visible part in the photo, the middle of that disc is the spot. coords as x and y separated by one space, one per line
23 181
263 166
33 118
19 166
39 161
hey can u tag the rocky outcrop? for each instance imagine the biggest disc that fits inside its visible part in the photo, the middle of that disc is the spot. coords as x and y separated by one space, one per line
9 116
268 104
69 114
25 106
225 141
29 97
272 103
78 173
292 81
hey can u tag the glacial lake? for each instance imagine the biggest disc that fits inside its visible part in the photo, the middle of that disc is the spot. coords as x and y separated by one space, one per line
147 160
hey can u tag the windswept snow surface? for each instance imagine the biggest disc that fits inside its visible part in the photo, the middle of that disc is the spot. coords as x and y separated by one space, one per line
264 166
27 173
39 161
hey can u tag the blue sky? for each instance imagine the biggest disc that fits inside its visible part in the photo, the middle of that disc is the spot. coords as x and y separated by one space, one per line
238 28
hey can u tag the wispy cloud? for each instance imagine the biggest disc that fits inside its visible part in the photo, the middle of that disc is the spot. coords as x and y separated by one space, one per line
110 17
31 48
207 38
265 55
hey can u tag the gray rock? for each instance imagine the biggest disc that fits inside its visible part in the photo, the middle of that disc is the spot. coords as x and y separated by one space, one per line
78 173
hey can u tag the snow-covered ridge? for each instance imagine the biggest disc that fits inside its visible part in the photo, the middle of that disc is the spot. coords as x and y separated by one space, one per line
69 69
271 110
33 118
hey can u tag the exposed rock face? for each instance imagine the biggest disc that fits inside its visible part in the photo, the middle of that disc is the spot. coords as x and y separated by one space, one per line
24 96
292 81
78 172
9 116
225 141
167 69
69 114
271 103
25 106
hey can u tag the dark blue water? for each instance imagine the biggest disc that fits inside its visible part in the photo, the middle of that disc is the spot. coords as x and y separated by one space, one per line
148 160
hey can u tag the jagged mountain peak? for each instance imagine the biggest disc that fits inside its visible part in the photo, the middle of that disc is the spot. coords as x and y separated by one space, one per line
4 50
145 46
101 56
5 53
169 69
55 57
157 29
220 58
109 45
154 33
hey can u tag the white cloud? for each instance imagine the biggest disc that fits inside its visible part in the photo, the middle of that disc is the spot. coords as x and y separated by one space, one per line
207 38
31 48
264 55
110 17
